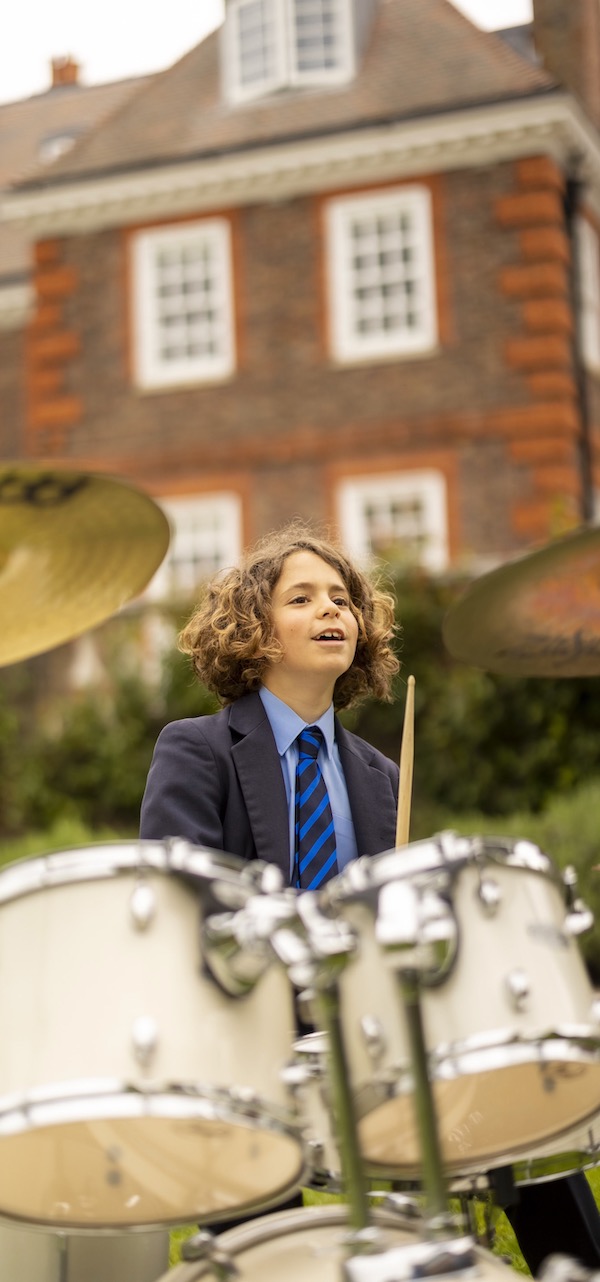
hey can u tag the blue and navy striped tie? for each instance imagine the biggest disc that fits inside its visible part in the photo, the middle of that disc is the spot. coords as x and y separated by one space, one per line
316 858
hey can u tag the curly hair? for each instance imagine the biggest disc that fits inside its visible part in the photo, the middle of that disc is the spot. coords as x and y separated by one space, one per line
230 636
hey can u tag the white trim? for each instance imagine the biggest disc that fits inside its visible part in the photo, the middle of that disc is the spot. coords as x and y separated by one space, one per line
347 344
152 369
430 487
588 271
553 124
16 305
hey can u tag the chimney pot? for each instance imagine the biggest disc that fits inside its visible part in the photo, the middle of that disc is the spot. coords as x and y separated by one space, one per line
65 71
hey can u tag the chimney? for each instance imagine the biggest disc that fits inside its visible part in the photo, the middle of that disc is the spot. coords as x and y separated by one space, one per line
65 71
566 34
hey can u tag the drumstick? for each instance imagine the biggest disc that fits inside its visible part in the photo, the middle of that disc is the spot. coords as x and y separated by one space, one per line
406 766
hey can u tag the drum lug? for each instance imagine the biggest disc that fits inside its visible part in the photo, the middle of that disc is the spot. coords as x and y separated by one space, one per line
142 905
489 895
374 1036
202 1246
579 917
517 983
144 1035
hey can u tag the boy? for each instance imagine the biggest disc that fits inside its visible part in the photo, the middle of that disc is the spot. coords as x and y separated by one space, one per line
291 635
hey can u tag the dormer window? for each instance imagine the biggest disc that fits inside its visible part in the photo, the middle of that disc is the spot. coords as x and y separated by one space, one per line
272 45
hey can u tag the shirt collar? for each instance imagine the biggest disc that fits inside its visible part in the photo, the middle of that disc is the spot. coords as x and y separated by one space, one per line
286 724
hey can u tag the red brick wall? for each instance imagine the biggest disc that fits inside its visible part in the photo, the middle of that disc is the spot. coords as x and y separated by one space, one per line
12 410
494 408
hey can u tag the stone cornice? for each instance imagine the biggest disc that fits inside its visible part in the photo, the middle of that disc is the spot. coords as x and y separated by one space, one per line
551 123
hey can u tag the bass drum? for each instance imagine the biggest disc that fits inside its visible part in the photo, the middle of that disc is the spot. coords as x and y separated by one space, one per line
302 1245
133 1090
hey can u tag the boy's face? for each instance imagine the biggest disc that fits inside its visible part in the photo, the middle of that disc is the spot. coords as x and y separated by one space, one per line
313 622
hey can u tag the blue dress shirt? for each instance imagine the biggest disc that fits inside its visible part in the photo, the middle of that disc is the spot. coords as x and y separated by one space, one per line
286 726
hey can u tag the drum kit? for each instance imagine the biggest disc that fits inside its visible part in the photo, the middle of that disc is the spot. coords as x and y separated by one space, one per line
151 1072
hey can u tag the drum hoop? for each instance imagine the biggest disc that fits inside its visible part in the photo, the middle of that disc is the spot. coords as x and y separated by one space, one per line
476 1056
452 853
283 1223
108 1099
109 860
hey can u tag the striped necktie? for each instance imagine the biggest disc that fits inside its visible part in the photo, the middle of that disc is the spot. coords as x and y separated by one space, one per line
315 855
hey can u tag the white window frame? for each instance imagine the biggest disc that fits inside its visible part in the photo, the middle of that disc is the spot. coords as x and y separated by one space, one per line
354 493
588 262
341 215
286 72
185 546
151 371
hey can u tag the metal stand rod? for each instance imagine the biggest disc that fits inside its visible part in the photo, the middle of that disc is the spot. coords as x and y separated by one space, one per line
343 1110
433 1178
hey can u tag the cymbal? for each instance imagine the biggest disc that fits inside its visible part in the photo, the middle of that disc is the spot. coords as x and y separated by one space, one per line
535 617
74 548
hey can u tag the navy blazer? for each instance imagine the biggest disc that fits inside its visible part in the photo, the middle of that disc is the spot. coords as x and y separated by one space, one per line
217 782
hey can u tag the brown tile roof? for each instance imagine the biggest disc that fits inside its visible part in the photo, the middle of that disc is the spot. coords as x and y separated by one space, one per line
423 57
25 124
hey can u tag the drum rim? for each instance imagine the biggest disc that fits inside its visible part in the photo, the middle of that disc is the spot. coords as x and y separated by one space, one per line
65 1103
102 861
454 851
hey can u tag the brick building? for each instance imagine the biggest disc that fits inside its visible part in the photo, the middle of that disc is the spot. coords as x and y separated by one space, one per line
341 261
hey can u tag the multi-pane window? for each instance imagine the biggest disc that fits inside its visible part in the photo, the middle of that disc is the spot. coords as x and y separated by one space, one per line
258 41
277 44
381 274
588 247
400 518
318 36
205 538
183 308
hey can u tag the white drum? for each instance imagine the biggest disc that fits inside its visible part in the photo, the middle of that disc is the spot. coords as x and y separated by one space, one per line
133 1090
512 1028
309 1244
42 1255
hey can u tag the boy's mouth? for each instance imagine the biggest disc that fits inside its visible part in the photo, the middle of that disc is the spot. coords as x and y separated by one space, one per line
330 634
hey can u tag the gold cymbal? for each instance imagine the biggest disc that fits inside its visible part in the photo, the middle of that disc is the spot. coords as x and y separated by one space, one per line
535 617
74 548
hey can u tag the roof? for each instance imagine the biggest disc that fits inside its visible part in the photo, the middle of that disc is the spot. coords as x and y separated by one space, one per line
423 57
25 124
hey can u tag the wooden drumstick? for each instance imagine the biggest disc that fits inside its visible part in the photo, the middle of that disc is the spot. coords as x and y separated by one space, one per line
406 766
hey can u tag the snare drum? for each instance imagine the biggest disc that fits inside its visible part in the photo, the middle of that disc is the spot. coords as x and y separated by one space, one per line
512 1029
313 1243
133 1091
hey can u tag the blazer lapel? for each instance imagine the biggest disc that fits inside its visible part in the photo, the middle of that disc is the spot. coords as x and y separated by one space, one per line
258 769
371 795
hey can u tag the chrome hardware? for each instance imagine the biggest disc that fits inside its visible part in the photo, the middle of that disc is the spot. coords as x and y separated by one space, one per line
142 905
373 1035
518 986
197 1247
144 1035
417 928
442 1258
203 1246
579 917
489 895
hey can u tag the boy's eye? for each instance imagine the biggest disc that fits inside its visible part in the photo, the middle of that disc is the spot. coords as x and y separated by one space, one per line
340 600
